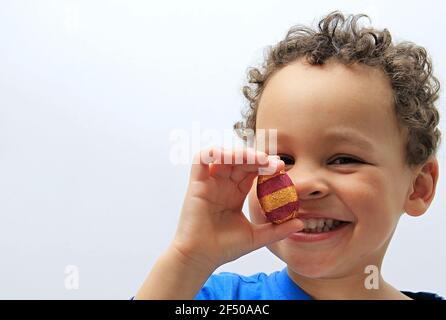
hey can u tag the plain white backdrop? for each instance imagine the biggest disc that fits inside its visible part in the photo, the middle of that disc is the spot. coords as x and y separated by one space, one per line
90 92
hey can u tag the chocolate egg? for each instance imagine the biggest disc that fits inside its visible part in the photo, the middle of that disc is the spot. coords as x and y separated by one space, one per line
278 197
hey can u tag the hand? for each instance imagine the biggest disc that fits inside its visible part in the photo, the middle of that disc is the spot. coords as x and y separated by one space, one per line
212 229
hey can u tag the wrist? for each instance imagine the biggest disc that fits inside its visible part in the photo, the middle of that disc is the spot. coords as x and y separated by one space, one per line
182 258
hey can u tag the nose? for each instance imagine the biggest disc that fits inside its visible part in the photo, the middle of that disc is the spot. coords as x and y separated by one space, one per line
309 182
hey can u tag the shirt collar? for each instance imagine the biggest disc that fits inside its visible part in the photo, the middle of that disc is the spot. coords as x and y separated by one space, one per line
289 288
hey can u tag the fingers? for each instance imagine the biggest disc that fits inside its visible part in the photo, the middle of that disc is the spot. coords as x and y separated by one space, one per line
247 156
201 162
219 162
239 163
246 183
244 178
268 233
240 172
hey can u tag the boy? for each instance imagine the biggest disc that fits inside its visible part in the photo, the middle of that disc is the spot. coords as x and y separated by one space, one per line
356 132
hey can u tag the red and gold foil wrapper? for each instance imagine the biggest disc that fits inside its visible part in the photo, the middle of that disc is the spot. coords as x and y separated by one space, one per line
278 197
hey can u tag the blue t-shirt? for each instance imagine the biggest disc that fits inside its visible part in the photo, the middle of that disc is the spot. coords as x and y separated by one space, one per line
276 286
232 286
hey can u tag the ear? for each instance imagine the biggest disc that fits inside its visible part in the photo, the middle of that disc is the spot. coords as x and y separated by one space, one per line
422 189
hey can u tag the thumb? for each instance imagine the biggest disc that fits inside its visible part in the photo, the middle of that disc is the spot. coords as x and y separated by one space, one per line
268 233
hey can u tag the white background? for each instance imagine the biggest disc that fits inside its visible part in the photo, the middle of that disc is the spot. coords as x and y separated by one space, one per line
90 92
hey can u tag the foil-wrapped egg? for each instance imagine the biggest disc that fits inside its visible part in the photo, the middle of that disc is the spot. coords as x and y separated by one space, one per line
278 197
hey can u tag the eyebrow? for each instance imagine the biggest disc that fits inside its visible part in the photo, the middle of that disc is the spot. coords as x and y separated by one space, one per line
350 137
338 136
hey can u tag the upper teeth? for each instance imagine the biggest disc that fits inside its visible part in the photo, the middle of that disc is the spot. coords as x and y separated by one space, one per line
320 224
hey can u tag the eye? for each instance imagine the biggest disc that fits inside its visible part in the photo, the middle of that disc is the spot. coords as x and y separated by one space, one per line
289 161
346 160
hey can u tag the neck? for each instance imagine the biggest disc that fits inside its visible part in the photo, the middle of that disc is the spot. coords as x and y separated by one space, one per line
348 287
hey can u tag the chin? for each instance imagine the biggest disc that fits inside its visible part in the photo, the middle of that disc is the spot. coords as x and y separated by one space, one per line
308 265
310 271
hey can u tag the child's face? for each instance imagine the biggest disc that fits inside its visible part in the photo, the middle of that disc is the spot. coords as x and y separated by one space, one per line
309 106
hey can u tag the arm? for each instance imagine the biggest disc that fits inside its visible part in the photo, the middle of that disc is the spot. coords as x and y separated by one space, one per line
174 276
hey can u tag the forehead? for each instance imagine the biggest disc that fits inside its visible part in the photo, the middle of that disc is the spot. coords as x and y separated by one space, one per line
306 99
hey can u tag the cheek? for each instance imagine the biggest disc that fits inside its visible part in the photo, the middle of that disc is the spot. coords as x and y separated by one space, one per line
371 199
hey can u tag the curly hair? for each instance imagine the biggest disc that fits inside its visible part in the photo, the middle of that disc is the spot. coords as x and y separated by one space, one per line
408 66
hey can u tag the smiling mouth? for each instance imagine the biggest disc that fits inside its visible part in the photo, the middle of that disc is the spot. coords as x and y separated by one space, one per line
322 225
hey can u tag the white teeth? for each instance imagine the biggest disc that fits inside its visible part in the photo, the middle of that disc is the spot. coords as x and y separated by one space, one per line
319 225
311 223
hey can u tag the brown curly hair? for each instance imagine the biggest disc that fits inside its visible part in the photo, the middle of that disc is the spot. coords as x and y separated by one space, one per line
407 65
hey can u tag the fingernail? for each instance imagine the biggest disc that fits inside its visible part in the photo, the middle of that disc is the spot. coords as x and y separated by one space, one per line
273 163
262 157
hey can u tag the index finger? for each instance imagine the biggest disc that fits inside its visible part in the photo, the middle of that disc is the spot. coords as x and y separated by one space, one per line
220 156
